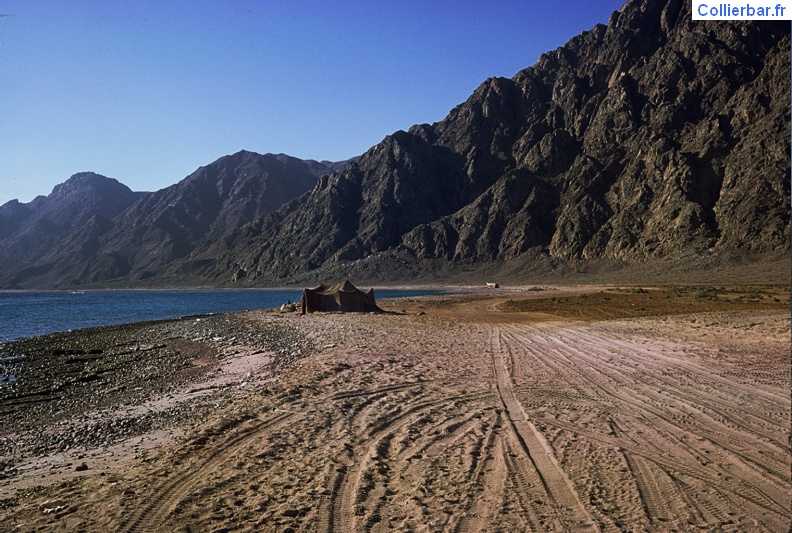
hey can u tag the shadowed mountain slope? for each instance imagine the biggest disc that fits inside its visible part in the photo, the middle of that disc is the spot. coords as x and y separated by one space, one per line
652 138
128 236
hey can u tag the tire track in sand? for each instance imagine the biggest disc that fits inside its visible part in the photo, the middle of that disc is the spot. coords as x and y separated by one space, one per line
165 499
658 404
652 490
559 488
348 489
490 478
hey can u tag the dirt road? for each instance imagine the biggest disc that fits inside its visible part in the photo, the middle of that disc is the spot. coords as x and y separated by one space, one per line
475 417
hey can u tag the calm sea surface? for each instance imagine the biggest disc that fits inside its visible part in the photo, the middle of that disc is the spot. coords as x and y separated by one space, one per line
31 313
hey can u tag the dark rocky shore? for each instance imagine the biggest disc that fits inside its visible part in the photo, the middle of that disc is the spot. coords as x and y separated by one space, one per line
95 387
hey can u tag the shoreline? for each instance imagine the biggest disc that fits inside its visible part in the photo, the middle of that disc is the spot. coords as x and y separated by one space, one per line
292 402
92 389
439 289
172 310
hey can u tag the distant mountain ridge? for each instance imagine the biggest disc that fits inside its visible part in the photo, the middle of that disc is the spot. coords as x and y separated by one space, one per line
654 138
31 231
93 229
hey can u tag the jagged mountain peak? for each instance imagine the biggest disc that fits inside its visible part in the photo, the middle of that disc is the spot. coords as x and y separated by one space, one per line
94 228
84 183
654 138
627 144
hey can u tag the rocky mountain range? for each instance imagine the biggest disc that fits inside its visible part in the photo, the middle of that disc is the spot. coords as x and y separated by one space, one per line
652 139
92 229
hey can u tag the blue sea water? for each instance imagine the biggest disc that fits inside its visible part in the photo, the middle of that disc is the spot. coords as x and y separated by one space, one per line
32 313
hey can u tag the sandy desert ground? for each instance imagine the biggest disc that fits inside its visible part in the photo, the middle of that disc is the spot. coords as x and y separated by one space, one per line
575 409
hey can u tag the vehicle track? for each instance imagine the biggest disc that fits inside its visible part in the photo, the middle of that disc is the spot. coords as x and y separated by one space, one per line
488 478
559 488
351 486
178 486
653 489
676 429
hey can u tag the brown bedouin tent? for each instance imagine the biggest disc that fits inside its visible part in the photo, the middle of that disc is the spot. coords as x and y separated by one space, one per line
342 296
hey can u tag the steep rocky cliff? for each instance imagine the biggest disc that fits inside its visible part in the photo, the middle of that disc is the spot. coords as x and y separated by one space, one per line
651 138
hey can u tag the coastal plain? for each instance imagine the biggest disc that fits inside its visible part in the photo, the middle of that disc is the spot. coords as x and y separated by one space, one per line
541 408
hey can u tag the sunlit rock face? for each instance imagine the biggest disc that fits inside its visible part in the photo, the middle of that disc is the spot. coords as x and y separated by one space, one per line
647 139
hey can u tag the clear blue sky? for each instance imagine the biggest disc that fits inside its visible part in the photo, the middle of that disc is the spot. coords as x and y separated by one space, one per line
146 91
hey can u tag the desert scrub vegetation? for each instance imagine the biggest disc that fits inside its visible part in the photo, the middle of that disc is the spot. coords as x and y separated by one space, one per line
705 293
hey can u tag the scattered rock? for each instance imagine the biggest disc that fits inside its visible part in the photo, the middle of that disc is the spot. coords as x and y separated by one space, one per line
53 506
